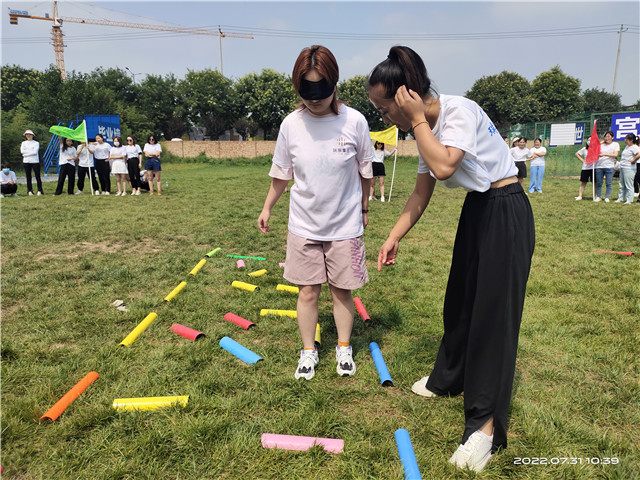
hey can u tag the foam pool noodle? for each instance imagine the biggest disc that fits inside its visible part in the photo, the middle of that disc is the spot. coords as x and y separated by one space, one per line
241 322
240 351
287 288
175 291
149 403
280 313
244 286
186 332
295 442
62 404
142 326
197 268
383 372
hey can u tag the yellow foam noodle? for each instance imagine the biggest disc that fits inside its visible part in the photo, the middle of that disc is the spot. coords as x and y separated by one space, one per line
318 331
175 291
280 313
142 326
244 286
149 403
258 273
197 268
287 288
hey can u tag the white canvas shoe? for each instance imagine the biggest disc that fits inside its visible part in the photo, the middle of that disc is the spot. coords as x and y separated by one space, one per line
597 199
346 367
578 198
307 364
97 192
79 192
606 200
420 388
475 453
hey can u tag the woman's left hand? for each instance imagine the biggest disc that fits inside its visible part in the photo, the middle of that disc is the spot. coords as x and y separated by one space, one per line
410 104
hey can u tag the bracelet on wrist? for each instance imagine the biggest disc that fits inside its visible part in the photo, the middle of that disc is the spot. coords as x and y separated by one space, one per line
420 123
365 210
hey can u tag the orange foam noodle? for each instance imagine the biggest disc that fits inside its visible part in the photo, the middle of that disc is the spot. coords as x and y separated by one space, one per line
628 254
361 310
62 404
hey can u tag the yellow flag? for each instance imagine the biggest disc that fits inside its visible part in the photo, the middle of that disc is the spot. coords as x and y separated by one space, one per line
387 136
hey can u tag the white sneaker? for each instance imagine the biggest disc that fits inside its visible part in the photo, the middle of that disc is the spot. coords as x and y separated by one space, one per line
346 367
627 203
597 199
370 198
382 198
97 192
578 198
606 200
307 364
635 195
618 201
31 194
39 193
15 195
475 453
137 192
79 192
420 388
106 193
1 195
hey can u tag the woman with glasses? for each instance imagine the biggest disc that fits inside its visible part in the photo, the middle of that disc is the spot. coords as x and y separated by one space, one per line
153 150
134 163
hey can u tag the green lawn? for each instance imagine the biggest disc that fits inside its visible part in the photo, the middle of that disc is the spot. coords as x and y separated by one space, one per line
66 259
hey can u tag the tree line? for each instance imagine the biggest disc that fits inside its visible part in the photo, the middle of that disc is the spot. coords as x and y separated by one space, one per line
167 106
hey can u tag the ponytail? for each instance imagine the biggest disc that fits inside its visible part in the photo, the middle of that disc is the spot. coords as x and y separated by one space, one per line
403 66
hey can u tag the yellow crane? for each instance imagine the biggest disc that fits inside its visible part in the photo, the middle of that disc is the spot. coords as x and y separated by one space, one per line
58 44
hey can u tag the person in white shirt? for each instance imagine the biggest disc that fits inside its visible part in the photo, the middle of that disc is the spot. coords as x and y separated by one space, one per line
152 150
379 154
101 153
459 146
9 181
134 163
86 168
586 174
118 157
66 165
520 153
628 161
536 155
31 160
326 146
609 151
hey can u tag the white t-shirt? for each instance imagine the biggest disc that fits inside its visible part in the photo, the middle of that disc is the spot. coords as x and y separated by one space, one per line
378 155
519 154
607 162
117 152
86 157
133 151
627 155
327 156
29 150
67 155
152 148
463 124
6 178
538 161
102 151
583 153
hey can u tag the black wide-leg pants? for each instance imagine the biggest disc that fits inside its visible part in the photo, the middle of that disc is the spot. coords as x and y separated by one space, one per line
483 306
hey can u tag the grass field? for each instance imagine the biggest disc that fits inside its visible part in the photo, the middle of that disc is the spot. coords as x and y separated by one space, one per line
66 259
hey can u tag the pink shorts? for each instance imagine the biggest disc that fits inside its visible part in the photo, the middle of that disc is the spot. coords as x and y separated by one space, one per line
313 262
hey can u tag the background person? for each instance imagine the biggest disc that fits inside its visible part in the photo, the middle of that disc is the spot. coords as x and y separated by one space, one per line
67 165
153 150
8 181
31 160
86 168
101 154
628 160
379 154
118 156
537 154
520 153
586 174
459 146
326 146
134 163
609 151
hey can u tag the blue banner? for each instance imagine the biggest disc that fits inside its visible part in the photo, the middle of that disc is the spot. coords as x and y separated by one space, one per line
579 134
623 124
106 125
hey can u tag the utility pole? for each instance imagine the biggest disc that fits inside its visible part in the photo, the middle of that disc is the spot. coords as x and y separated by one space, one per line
220 35
615 74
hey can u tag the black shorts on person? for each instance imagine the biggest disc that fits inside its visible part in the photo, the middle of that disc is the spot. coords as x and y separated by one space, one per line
378 169
586 176
522 169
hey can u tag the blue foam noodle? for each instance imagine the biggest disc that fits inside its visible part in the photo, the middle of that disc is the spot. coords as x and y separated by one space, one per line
407 455
385 378
243 353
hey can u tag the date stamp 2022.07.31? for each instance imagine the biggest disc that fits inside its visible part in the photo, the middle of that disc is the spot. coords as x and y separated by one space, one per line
566 460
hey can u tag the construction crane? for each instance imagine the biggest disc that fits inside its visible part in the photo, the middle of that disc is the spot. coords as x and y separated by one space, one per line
58 44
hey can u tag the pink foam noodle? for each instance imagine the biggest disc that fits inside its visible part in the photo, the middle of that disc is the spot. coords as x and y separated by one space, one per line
241 322
240 263
186 332
361 310
628 254
295 442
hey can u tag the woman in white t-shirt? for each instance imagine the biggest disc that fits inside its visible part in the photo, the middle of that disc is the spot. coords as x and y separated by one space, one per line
101 153
520 153
66 165
459 145
86 168
379 154
536 155
326 146
31 160
586 174
9 181
628 160
153 150
134 163
609 151
118 156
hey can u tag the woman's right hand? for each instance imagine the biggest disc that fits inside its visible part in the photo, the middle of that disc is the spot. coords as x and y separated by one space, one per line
263 221
387 254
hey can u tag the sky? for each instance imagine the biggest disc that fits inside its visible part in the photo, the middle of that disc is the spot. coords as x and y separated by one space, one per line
358 33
